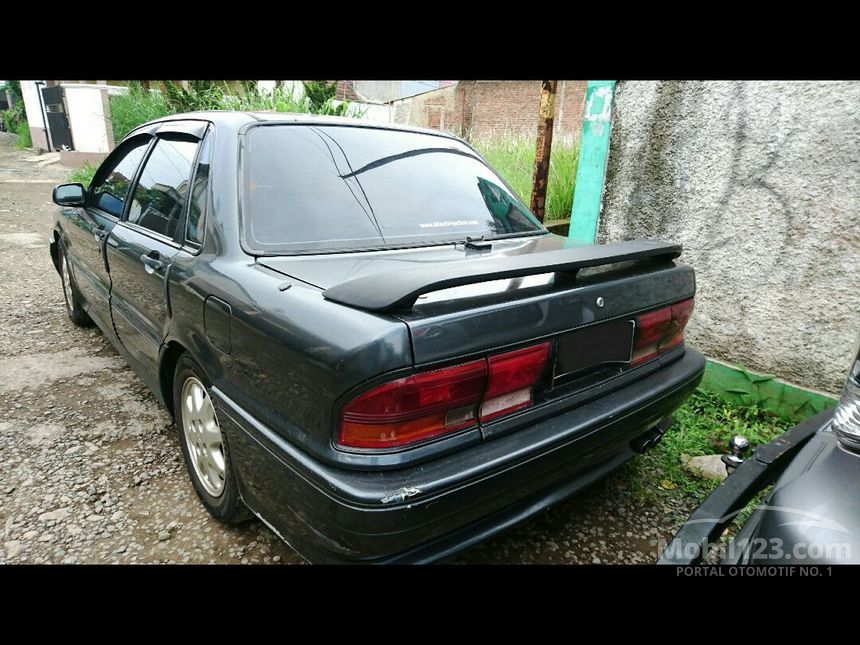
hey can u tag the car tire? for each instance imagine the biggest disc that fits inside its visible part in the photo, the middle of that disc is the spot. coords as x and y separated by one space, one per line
204 446
71 294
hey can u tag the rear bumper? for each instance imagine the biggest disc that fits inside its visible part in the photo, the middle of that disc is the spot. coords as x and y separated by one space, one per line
436 508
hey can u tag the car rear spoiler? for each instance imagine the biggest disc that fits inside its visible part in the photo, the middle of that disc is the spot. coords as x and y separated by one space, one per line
397 290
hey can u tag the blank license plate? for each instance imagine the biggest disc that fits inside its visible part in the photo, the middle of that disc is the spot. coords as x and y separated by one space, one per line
610 342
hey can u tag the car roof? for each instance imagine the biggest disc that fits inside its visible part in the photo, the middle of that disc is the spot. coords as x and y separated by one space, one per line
236 120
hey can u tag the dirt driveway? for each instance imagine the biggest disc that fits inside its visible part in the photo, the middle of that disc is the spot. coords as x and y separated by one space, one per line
90 466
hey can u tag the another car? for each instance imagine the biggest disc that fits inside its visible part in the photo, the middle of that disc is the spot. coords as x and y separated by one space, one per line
365 337
812 513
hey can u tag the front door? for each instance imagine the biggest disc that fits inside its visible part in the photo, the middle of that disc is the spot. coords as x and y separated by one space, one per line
141 248
88 227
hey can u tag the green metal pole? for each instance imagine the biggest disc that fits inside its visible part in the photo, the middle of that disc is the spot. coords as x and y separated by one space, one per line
593 154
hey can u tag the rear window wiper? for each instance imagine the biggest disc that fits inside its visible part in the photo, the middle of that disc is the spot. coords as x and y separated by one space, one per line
502 236
477 243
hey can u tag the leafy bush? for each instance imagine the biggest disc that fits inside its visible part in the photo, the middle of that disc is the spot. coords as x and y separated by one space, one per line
15 118
200 95
513 157
24 140
321 97
83 175
127 111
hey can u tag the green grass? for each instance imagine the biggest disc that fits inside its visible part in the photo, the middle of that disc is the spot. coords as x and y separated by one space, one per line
513 157
703 426
280 100
82 175
127 111
283 99
24 141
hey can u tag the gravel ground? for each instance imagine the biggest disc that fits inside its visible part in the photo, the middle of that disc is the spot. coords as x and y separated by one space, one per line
90 465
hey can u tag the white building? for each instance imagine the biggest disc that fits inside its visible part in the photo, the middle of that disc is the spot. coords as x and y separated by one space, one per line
81 124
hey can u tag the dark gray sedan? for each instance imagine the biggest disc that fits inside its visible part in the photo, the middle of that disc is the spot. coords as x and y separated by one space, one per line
366 339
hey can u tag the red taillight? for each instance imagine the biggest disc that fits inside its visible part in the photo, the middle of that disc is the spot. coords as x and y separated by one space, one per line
512 379
660 330
423 406
415 408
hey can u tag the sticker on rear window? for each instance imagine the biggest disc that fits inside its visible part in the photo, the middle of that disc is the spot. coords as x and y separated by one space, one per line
450 222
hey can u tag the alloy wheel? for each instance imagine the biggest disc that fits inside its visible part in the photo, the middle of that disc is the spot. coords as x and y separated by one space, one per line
203 436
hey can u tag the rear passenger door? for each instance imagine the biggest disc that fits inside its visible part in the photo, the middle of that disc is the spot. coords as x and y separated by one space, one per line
141 247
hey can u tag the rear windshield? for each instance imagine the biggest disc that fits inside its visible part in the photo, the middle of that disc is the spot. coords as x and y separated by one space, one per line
327 188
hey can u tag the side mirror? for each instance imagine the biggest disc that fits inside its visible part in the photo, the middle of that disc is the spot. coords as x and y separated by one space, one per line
69 195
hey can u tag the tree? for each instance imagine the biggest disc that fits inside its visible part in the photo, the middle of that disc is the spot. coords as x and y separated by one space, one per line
16 115
14 89
540 179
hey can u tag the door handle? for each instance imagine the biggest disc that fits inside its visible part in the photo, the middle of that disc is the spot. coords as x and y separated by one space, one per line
151 263
99 234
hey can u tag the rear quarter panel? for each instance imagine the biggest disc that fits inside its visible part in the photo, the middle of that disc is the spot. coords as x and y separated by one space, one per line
292 353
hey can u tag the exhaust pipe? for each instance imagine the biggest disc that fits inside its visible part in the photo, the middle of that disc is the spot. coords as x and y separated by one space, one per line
647 440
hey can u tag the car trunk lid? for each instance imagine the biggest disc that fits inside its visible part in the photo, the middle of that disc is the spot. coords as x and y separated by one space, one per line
484 311
581 301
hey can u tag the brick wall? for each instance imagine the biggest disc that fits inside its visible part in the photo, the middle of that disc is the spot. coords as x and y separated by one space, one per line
478 109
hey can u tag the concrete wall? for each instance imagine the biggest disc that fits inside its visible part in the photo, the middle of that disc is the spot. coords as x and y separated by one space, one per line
36 117
88 113
760 181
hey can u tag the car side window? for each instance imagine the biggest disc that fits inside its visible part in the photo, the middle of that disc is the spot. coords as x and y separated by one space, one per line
199 191
159 196
110 192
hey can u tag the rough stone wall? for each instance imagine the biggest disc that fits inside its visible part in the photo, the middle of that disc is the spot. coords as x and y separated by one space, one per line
478 109
760 181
